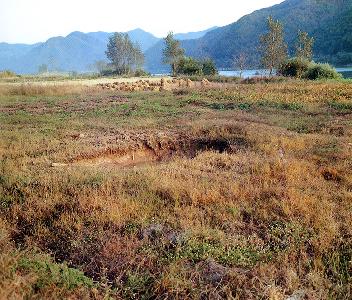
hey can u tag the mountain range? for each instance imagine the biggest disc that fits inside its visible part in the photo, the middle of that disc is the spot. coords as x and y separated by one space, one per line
328 21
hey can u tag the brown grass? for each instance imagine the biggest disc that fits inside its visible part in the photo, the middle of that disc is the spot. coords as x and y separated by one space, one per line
37 89
255 205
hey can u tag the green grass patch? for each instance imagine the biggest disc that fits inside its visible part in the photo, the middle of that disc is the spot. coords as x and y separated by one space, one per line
50 273
196 251
340 105
294 106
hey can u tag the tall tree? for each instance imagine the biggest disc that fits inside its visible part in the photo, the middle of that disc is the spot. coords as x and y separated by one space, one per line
124 55
172 52
239 62
304 46
273 46
43 68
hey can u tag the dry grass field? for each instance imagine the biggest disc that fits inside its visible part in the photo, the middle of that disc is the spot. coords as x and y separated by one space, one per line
239 192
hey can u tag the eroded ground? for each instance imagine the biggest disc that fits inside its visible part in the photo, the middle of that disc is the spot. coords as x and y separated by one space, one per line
243 191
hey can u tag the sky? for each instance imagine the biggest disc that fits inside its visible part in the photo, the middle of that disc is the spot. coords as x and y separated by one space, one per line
31 21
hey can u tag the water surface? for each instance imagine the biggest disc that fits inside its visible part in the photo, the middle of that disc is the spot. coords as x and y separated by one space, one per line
346 72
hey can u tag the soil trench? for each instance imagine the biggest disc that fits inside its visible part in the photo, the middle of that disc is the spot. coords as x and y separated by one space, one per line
124 159
146 154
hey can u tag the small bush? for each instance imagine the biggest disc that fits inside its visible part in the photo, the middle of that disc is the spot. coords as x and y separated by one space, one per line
50 273
141 73
294 67
321 71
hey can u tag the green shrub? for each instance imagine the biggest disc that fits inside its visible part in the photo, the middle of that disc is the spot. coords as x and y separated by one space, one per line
197 251
50 273
294 67
209 67
189 66
141 73
321 71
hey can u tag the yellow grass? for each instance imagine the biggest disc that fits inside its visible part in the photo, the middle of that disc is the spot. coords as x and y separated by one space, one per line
247 193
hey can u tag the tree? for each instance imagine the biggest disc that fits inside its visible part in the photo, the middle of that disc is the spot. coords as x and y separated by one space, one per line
43 68
239 62
273 46
304 46
124 55
172 52
99 66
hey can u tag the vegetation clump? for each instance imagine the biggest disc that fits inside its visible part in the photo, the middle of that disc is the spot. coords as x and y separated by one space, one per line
294 67
193 67
301 68
321 71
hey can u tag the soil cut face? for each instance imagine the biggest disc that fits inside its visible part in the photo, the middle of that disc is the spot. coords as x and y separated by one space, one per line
123 159
147 153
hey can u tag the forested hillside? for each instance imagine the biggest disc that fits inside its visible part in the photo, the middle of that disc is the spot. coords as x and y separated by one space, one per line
328 21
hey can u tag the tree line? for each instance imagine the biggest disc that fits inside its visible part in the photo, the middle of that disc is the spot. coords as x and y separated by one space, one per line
127 58
274 55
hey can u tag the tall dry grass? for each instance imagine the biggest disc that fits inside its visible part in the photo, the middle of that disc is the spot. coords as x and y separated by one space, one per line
33 89
268 218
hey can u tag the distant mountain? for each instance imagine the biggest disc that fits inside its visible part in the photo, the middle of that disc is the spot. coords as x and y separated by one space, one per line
328 21
75 52
193 35
9 53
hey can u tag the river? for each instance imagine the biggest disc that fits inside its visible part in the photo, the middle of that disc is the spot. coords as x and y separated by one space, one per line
346 72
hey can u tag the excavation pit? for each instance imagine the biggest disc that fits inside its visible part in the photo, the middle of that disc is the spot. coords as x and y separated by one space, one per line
147 153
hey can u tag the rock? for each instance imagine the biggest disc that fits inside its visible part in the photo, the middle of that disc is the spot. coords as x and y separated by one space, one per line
212 271
297 295
77 136
151 232
163 233
58 165
175 238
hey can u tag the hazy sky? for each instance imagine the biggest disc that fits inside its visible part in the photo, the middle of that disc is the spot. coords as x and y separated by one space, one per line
29 21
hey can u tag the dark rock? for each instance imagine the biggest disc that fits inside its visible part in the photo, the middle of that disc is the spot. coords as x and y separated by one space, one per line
152 232
212 272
